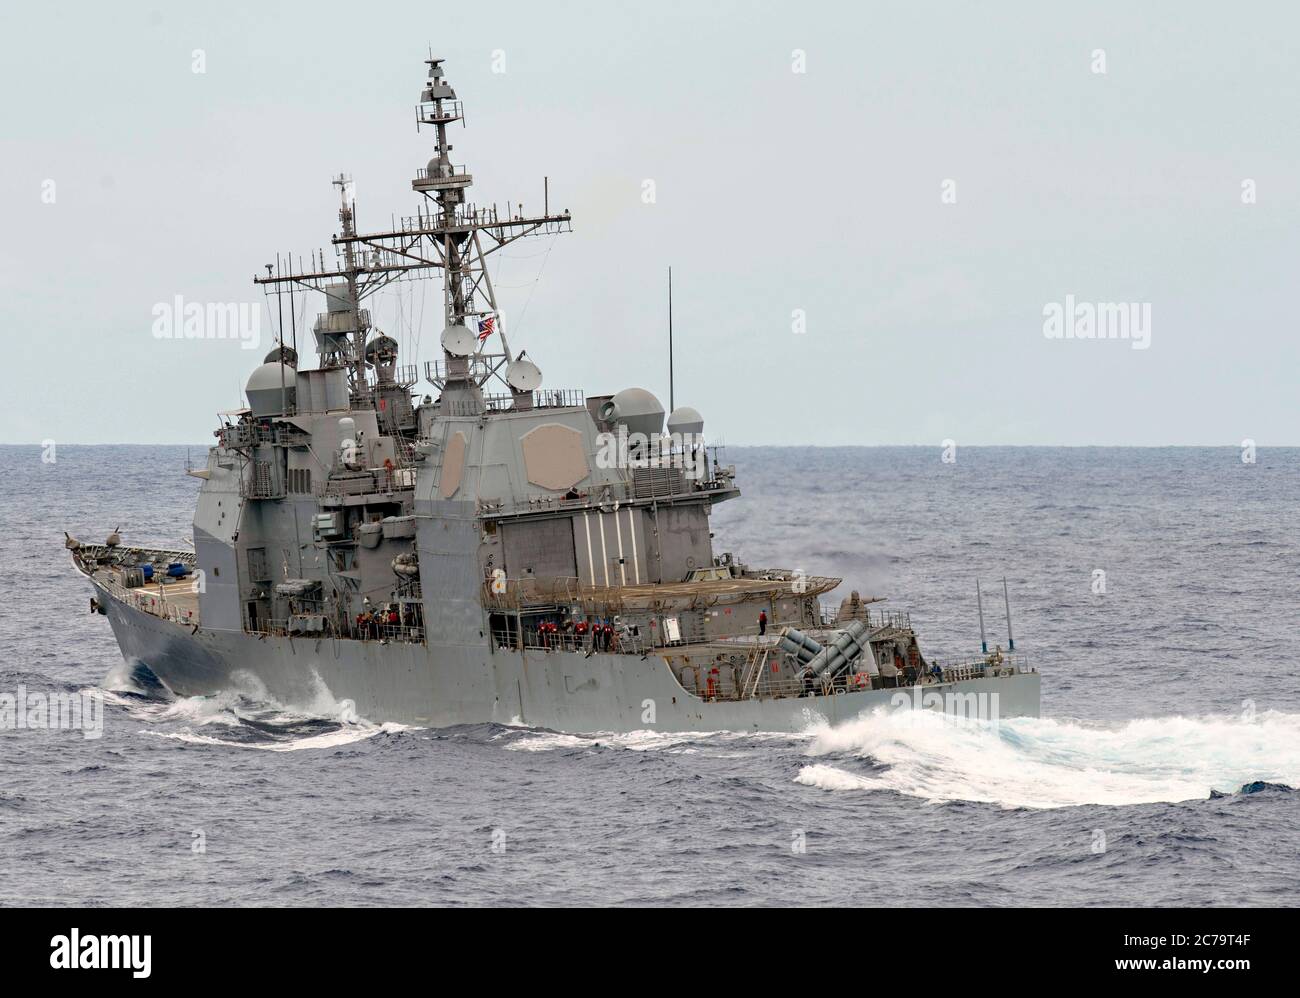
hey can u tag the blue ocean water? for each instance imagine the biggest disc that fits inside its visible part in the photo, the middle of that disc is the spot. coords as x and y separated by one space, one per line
1179 680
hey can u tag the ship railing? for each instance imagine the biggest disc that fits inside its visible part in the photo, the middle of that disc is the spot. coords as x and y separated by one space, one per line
728 682
724 681
531 594
543 398
436 222
442 109
552 503
468 213
450 170
833 616
342 321
372 482
548 398
384 633
381 633
363 400
599 500
471 215
237 435
280 433
154 601
95 556
569 641
634 630
509 594
990 667
404 375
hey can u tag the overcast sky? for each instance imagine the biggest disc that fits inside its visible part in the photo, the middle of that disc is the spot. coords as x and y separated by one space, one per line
778 193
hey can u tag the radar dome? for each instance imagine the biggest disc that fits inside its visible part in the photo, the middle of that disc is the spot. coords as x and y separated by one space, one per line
269 387
637 409
686 421
458 341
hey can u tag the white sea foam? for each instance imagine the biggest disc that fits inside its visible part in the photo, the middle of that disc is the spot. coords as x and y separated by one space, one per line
680 742
249 701
1047 763
327 739
547 741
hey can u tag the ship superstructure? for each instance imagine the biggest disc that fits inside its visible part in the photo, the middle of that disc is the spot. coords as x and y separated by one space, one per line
497 550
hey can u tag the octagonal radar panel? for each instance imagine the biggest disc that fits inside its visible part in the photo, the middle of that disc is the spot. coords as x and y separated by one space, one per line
523 376
458 341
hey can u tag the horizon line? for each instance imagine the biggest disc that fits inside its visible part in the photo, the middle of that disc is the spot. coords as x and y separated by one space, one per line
940 445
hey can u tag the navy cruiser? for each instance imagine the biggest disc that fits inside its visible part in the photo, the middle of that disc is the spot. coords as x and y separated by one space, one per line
497 550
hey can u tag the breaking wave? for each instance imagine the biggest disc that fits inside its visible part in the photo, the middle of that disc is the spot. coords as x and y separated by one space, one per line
1045 763
323 739
247 717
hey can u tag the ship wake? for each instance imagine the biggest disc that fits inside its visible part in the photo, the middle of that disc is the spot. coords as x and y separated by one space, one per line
1046 763
248 717
517 738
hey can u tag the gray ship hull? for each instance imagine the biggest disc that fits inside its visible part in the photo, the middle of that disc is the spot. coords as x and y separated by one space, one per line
444 685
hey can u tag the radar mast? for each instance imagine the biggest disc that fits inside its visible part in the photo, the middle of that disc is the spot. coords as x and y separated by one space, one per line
448 232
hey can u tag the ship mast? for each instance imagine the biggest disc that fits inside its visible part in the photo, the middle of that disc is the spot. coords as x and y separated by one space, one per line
441 181
348 223
447 233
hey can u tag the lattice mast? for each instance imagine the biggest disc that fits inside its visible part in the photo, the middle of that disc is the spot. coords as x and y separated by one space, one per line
347 225
453 235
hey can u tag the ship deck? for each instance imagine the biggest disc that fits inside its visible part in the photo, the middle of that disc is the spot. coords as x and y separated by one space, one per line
166 598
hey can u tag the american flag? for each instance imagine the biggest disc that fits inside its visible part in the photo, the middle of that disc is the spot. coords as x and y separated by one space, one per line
486 327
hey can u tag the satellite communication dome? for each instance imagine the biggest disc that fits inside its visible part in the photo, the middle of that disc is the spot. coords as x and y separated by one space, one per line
637 409
523 376
686 421
458 341
269 387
